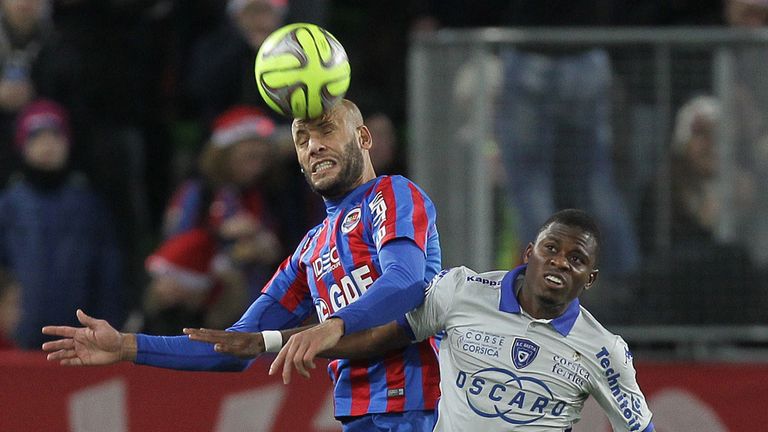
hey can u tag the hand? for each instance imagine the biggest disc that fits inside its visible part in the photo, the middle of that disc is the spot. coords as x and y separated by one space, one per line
243 345
98 343
302 348
240 225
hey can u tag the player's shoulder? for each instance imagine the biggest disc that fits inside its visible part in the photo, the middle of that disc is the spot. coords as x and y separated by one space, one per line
590 331
489 279
395 182
465 280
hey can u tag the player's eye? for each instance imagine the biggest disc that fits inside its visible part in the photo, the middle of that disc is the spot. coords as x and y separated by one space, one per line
576 259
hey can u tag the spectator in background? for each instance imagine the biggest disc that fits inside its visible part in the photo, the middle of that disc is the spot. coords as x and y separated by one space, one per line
695 188
554 128
696 202
33 62
122 143
220 73
232 196
56 235
10 309
386 154
184 289
747 114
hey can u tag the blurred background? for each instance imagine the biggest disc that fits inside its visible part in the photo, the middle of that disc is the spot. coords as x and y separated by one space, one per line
145 181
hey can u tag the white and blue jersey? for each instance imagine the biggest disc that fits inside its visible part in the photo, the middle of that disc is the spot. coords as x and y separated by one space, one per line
501 369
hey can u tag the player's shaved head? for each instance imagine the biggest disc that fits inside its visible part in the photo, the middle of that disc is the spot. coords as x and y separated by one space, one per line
345 110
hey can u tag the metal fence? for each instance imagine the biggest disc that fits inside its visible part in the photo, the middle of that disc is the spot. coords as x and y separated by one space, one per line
662 134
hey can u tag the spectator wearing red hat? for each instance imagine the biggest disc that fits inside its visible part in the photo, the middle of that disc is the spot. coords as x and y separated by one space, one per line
183 289
231 199
56 235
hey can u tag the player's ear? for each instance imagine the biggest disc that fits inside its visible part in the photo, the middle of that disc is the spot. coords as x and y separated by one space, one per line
527 253
591 279
365 140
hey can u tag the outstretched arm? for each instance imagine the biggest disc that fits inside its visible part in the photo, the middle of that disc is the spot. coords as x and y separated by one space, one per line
97 343
365 344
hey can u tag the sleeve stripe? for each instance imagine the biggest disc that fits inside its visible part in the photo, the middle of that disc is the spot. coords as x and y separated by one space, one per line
420 220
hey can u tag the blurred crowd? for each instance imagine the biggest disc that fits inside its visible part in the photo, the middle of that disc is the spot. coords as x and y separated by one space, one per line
145 181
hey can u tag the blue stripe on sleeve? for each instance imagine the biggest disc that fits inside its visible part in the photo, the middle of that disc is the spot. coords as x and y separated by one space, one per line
399 289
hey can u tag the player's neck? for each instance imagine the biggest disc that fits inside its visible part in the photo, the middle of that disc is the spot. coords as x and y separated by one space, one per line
536 307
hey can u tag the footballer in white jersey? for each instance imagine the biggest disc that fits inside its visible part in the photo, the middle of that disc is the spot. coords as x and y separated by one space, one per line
501 369
518 353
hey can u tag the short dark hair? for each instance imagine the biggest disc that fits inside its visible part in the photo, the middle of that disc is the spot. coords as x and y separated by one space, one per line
574 218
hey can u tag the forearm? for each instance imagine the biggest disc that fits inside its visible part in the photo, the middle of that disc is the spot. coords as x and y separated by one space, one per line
369 343
181 353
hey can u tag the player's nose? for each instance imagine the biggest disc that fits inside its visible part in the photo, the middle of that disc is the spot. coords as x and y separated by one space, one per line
316 145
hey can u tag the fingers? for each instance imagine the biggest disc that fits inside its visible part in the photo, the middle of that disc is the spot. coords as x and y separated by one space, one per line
84 319
218 338
308 361
59 345
288 363
205 335
64 331
278 361
297 353
65 357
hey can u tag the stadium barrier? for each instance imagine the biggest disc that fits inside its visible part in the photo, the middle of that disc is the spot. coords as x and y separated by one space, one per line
41 396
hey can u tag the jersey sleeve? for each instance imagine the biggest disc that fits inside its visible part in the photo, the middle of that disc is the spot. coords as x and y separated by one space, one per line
431 317
616 390
398 208
289 286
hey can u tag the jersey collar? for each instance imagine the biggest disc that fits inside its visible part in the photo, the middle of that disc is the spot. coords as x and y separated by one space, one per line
331 205
508 303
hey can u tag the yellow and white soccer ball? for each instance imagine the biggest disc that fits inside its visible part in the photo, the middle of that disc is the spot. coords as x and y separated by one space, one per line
302 70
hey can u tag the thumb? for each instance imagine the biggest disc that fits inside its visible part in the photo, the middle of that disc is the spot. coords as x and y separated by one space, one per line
84 319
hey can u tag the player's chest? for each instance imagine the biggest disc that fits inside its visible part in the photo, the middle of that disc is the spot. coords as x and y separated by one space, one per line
532 354
341 262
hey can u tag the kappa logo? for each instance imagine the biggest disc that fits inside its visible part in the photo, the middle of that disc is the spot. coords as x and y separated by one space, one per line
524 352
351 220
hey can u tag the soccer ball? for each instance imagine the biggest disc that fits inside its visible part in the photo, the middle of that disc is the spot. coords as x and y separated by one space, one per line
301 70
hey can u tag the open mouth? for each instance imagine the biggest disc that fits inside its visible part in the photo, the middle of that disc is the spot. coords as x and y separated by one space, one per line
322 166
554 280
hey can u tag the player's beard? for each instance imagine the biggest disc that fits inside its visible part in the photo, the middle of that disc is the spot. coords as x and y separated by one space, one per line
351 162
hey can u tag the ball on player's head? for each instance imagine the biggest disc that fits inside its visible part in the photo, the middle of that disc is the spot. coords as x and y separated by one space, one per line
302 70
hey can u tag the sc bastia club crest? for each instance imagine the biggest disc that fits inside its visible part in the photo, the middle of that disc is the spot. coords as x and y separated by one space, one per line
524 352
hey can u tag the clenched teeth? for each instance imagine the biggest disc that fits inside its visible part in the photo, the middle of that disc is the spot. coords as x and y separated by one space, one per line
322 166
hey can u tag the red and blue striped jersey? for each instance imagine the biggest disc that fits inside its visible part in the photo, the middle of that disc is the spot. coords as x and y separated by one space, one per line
336 263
